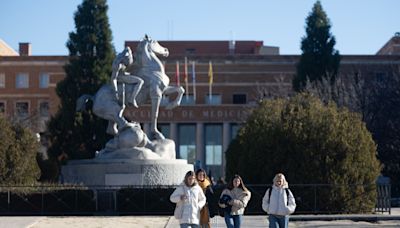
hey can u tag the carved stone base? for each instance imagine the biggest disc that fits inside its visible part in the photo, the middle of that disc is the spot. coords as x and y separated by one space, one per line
123 172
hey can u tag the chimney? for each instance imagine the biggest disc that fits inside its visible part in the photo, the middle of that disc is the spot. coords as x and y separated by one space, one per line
24 49
231 47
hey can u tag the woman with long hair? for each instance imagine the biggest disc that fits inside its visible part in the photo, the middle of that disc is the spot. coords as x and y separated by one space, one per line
234 199
207 212
189 199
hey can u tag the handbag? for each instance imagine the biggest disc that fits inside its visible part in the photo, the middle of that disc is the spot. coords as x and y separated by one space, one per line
178 210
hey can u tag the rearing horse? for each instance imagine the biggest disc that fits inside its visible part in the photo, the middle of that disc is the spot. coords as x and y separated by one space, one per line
156 83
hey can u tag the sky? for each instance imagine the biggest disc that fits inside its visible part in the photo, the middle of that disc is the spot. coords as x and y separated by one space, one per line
359 26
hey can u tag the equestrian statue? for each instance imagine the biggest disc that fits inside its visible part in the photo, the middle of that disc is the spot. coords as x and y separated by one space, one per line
135 80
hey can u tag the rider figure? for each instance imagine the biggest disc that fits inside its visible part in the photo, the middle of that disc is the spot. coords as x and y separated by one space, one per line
119 74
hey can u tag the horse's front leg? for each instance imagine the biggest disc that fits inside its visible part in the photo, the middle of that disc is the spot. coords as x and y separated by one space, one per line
155 105
174 89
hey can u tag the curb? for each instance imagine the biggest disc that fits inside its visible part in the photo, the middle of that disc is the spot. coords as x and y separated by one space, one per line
356 218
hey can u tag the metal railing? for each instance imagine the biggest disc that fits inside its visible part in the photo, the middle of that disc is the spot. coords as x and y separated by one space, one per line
153 200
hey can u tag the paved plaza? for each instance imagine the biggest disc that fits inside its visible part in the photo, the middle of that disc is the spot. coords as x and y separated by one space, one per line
170 222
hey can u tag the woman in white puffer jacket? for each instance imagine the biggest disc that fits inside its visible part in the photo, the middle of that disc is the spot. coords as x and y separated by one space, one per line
279 202
189 199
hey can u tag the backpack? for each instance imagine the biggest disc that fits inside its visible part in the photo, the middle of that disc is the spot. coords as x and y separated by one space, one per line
287 194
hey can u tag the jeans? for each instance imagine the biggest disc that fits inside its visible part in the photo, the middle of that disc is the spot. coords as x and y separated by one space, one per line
232 221
278 221
187 225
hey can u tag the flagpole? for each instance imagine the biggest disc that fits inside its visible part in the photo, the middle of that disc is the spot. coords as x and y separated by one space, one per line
177 76
186 80
194 80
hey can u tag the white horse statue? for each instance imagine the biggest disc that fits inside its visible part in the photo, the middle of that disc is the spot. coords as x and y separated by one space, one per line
148 67
156 83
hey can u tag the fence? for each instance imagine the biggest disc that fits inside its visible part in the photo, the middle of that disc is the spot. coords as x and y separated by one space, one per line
142 200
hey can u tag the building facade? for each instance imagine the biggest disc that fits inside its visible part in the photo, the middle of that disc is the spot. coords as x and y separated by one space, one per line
207 120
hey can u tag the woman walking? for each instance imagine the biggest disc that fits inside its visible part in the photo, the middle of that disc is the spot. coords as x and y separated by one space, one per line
189 199
207 212
234 199
279 202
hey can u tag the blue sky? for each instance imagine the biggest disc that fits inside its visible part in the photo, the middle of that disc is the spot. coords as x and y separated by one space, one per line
360 26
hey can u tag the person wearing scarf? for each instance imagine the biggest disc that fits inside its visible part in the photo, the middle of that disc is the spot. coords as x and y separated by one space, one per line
205 184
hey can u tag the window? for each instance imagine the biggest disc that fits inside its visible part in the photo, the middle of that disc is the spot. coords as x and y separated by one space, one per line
190 51
2 80
22 80
188 99
234 130
164 129
187 142
44 79
2 107
239 99
44 109
213 143
22 109
214 99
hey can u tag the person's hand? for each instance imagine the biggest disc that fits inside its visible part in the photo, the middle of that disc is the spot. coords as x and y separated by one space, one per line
116 95
230 202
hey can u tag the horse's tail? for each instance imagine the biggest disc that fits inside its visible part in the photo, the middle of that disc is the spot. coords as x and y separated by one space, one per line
81 102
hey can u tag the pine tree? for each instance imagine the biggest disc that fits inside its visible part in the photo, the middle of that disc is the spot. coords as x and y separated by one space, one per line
91 54
319 59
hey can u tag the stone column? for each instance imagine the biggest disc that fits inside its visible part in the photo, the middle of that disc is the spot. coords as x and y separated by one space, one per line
226 139
200 150
173 133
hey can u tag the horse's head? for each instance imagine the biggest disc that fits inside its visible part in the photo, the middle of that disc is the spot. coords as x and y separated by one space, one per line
154 46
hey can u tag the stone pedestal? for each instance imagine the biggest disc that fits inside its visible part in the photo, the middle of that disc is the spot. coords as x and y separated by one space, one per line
125 172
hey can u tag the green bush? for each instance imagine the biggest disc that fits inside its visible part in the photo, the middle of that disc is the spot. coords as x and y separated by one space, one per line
18 149
311 143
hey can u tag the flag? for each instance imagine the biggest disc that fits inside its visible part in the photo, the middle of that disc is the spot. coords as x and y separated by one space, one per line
194 80
177 76
210 79
185 77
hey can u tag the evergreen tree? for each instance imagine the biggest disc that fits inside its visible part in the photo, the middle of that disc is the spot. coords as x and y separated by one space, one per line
91 54
18 149
311 143
383 120
319 59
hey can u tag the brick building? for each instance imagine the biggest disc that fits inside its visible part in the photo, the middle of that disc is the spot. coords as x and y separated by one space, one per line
204 125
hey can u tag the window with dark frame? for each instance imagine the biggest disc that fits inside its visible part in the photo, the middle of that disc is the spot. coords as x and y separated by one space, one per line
44 109
22 109
2 107
239 99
